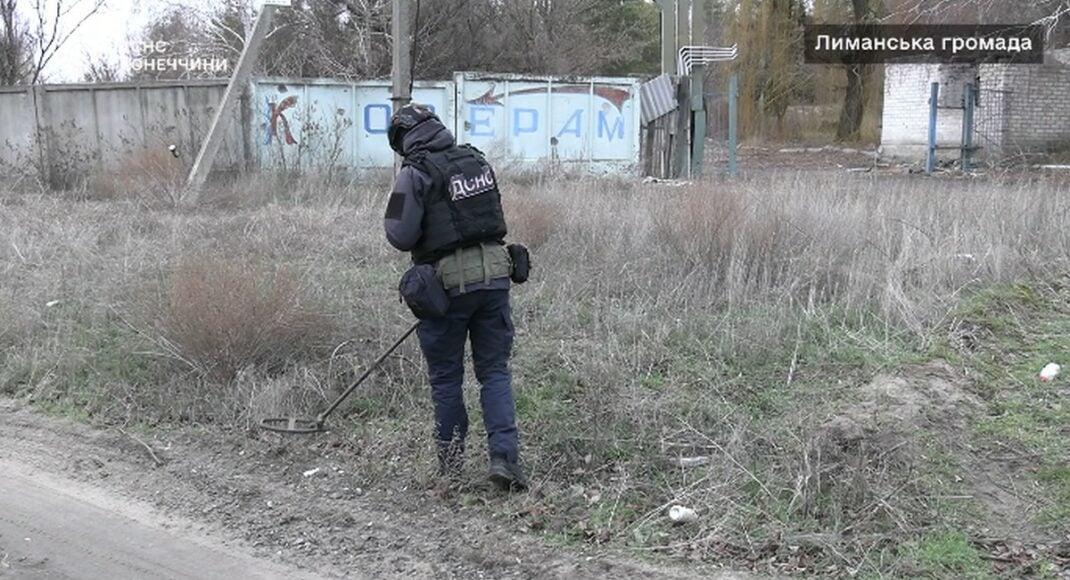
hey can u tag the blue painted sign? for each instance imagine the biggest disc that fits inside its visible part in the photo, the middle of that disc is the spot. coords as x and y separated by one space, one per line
321 124
588 121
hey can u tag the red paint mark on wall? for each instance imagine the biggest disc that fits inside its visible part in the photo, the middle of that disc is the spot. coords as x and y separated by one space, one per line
612 94
276 116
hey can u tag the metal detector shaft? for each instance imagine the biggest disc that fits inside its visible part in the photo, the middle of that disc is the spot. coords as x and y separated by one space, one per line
323 416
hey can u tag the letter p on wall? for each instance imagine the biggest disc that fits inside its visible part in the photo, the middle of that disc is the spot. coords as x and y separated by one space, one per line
525 121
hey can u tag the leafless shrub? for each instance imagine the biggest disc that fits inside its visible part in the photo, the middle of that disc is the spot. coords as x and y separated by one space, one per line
531 220
700 226
225 316
152 174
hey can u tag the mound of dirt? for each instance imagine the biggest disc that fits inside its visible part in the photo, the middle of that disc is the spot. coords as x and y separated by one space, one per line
920 397
893 424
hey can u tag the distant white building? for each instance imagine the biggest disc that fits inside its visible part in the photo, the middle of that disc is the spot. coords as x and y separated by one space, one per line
1021 108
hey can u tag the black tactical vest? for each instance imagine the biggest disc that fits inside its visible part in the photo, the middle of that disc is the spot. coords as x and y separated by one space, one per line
463 206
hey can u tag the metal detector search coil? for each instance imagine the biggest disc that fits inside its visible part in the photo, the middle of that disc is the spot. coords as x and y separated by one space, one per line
300 425
292 425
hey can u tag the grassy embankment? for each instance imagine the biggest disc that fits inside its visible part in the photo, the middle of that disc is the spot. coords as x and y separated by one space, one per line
739 322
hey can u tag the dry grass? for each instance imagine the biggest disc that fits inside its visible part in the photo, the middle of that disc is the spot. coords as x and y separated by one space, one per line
723 319
366 191
224 316
531 219
150 173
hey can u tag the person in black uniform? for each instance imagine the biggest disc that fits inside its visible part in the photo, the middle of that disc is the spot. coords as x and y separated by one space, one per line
445 209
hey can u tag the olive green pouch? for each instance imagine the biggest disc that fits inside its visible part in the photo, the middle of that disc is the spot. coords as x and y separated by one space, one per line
482 263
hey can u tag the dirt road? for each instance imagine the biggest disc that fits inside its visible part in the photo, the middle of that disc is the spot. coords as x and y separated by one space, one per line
56 528
84 502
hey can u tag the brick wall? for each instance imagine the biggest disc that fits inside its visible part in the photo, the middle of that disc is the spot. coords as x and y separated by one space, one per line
905 119
1021 108
1037 109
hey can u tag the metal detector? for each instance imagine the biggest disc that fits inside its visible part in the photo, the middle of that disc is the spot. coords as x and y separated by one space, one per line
308 425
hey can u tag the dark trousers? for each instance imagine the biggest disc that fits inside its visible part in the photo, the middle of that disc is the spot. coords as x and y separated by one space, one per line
485 318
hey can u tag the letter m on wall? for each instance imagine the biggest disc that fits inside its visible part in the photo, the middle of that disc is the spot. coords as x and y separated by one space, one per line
611 133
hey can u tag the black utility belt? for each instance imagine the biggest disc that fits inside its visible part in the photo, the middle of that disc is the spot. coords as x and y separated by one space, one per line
423 287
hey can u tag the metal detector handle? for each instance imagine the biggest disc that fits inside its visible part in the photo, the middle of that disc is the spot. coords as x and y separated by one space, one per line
375 365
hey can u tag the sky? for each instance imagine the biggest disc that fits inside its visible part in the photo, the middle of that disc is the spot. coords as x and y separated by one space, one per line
108 33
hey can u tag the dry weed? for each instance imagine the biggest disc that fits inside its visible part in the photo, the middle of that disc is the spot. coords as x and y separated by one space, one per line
150 174
700 226
224 316
531 220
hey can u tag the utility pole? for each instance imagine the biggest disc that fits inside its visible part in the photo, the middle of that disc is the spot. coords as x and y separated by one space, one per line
668 36
202 165
698 91
683 24
401 72
683 131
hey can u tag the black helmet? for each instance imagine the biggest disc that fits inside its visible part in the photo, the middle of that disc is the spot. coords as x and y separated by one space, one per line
406 118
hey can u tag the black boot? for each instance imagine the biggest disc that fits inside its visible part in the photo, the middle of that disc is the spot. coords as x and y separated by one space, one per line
507 476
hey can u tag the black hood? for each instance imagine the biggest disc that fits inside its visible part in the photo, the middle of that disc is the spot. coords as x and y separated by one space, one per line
431 135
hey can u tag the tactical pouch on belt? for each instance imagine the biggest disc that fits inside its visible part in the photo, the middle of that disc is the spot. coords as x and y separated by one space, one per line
481 263
423 293
518 255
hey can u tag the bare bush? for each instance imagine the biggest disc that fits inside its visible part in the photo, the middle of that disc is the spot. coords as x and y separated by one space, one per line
225 316
531 220
700 226
153 174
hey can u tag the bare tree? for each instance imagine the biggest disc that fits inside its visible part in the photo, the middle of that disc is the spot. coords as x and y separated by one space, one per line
101 69
1053 15
854 99
351 39
333 38
1058 13
1047 12
51 30
340 39
15 46
228 28
537 36
194 37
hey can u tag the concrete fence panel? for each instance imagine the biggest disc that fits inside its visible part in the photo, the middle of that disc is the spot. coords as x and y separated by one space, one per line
114 131
19 155
593 122
311 125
